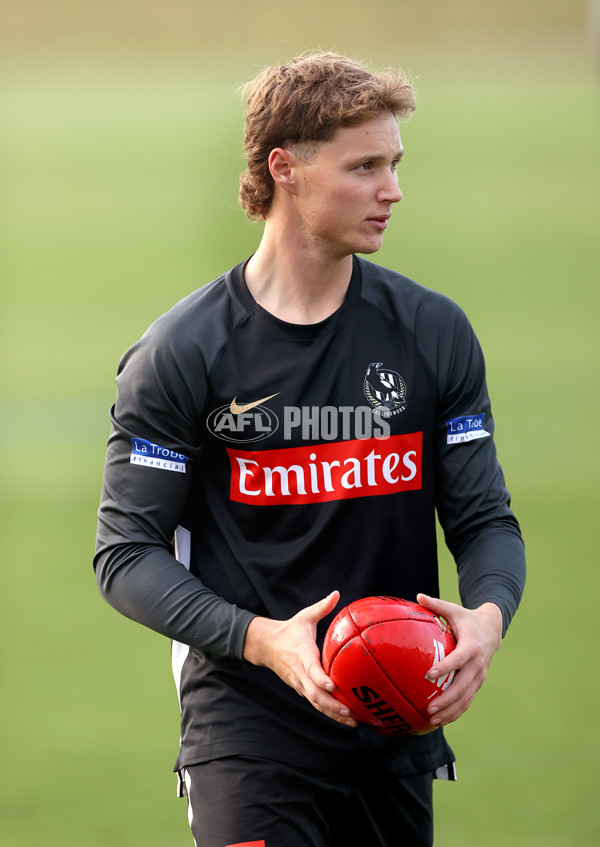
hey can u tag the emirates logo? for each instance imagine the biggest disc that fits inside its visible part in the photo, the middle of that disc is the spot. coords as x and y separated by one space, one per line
323 472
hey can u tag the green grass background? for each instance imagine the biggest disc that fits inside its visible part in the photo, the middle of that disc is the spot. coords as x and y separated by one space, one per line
120 149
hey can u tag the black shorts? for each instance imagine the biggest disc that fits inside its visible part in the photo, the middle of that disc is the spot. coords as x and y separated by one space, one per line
251 802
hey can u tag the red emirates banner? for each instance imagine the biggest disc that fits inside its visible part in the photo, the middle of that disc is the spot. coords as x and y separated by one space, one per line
319 473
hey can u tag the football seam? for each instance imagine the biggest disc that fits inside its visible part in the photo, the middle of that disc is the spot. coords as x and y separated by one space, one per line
374 623
390 620
386 674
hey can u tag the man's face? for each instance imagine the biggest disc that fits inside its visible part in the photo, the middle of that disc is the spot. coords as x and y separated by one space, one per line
345 193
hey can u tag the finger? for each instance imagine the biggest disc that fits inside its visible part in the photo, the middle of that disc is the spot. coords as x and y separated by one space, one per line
451 712
325 703
458 697
332 708
455 692
317 675
454 661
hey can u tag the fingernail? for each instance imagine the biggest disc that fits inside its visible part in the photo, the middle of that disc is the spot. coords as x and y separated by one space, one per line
435 722
344 712
433 710
432 674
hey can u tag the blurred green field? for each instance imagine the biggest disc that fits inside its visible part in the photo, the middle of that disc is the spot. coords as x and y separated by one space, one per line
118 198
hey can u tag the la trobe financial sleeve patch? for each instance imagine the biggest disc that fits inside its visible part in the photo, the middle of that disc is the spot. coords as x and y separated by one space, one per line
465 428
154 456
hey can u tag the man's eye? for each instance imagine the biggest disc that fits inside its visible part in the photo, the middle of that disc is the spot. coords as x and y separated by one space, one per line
366 166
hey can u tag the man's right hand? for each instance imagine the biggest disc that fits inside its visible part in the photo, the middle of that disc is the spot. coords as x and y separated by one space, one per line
289 649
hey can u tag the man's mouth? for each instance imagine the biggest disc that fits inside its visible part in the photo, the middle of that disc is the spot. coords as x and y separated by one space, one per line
380 221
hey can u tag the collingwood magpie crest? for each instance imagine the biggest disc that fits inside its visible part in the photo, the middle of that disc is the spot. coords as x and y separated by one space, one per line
385 390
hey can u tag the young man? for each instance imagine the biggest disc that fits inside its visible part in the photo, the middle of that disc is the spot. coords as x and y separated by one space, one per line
281 441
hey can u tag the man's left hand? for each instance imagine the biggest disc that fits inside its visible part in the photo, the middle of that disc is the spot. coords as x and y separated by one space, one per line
478 634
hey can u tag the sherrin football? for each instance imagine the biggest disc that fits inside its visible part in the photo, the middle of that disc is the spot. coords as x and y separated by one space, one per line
378 651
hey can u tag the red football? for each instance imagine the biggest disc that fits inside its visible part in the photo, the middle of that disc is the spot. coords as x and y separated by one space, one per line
377 651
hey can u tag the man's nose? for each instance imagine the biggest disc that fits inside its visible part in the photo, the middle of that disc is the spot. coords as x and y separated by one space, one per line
391 190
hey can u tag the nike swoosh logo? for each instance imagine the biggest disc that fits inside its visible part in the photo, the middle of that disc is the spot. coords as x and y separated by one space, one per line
237 409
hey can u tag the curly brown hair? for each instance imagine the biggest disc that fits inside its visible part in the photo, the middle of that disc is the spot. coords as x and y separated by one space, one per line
304 103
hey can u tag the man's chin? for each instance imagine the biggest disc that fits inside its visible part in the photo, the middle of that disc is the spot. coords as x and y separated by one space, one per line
369 247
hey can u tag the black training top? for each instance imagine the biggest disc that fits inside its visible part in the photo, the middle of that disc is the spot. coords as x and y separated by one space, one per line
287 461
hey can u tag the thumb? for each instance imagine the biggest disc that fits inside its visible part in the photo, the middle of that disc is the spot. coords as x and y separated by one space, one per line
434 604
323 607
451 612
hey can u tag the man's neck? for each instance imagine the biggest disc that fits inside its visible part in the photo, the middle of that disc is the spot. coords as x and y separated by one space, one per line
294 283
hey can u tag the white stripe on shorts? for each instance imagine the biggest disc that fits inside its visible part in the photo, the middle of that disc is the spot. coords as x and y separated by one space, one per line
188 784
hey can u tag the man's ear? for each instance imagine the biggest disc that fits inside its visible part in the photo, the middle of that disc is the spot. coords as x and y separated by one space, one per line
281 167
